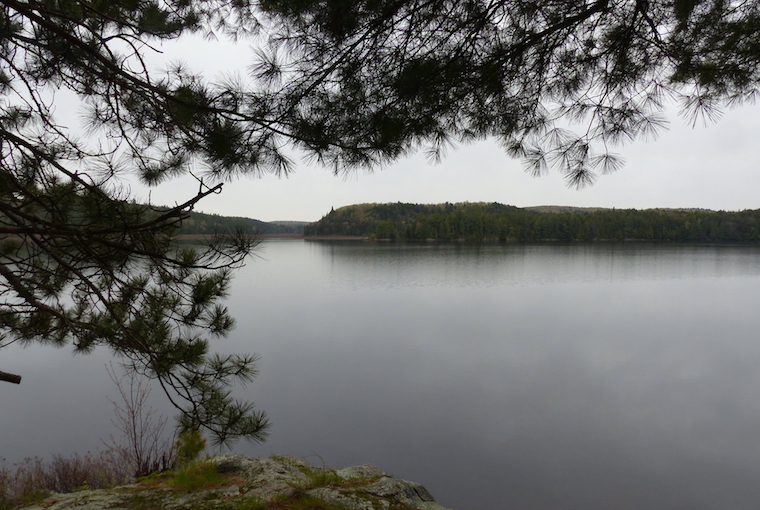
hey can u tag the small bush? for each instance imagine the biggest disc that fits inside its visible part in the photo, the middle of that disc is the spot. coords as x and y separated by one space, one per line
33 479
303 501
197 476
188 447
324 478
250 504
143 442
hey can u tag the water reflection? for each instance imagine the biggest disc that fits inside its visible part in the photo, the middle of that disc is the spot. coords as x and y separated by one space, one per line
504 376
428 264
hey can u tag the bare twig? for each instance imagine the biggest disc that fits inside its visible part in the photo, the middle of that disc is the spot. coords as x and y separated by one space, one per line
143 442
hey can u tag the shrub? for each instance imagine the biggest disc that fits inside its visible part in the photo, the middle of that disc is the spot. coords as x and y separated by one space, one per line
33 479
143 442
196 476
188 447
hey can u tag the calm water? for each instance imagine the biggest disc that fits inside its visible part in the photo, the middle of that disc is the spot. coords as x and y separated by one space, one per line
594 377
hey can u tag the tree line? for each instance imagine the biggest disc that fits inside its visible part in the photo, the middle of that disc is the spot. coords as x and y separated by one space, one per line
207 224
498 222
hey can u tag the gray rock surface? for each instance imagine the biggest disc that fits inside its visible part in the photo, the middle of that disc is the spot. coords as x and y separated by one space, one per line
257 483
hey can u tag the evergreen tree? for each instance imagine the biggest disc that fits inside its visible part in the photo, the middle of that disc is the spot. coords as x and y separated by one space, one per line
557 82
80 263
350 83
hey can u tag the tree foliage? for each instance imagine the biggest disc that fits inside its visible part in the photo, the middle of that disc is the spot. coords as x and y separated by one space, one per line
349 83
557 82
498 222
208 224
80 263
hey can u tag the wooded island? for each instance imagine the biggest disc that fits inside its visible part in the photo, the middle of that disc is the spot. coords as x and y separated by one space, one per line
499 222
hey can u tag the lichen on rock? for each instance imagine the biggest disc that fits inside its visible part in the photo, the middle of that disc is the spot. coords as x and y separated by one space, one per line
273 483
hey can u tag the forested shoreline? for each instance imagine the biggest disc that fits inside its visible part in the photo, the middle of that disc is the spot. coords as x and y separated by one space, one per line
207 224
499 222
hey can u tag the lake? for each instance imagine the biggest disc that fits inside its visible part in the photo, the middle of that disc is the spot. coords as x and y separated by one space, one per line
531 377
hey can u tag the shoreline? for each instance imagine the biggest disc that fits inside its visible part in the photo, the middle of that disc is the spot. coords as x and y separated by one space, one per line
202 237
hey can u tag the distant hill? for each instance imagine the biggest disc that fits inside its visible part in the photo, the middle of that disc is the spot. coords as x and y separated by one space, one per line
563 208
493 221
567 208
200 224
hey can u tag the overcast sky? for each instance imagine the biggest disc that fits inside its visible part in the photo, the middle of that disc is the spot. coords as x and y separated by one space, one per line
713 167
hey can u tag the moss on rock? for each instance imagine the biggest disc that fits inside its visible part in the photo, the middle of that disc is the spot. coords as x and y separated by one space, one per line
274 483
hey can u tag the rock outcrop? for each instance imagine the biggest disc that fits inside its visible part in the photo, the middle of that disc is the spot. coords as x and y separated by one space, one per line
277 482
